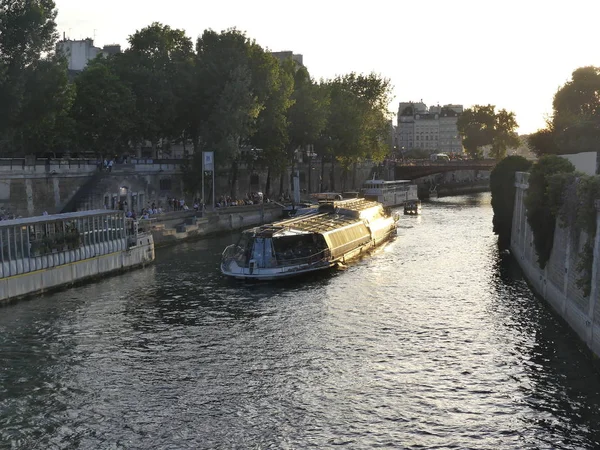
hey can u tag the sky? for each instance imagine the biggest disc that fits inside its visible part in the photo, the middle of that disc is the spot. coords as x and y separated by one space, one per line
514 54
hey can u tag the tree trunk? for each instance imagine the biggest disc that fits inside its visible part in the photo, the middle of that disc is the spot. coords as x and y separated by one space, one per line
309 189
281 184
322 173
332 174
234 175
268 184
354 168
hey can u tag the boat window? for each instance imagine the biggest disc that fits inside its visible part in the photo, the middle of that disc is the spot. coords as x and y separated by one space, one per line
298 249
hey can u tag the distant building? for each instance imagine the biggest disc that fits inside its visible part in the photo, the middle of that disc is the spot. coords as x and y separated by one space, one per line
79 53
432 129
285 55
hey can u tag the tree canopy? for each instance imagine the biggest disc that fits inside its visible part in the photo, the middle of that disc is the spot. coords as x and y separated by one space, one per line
482 126
223 93
33 81
575 123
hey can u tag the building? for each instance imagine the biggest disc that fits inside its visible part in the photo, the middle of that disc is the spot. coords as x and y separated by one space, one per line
79 53
285 55
432 129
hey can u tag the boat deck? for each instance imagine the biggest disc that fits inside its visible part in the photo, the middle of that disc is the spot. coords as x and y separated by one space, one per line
320 222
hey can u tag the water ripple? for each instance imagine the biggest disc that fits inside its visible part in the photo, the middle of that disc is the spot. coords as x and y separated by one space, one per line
433 342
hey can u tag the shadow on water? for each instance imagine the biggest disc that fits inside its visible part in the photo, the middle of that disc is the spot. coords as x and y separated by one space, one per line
559 383
470 200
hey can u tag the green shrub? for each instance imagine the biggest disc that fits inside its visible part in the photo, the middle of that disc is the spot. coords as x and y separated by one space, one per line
502 184
543 202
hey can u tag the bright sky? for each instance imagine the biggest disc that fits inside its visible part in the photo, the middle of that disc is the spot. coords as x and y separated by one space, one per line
513 54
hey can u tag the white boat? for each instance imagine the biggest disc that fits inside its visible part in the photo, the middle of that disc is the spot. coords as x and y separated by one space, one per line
338 232
390 193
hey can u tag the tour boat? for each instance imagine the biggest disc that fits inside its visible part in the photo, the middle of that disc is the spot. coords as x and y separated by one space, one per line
334 234
412 207
390 193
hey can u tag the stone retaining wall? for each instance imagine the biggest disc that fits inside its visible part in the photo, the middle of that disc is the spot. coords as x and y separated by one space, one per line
556 283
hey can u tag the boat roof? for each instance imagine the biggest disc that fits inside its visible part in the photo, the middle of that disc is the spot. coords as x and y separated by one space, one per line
56 217
343 212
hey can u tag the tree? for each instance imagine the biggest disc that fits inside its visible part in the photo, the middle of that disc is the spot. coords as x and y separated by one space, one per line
502 184
481 125
505 136
476 126
152 68
575 123
43 122
272 132
358 125
27 37
543 142
228 97
104 109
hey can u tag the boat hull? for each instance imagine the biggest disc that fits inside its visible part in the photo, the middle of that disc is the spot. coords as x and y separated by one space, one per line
274 274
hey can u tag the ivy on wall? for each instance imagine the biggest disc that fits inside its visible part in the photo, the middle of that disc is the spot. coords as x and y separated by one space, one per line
556 191
544 200
588 191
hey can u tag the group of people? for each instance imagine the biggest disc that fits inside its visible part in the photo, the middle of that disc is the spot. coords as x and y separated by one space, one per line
147 212
251 198
107 165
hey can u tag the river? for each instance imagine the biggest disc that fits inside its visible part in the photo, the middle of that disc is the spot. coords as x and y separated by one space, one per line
433 342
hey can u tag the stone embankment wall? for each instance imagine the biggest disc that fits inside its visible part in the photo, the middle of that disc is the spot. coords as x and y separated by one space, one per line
557 282
192 226
29 189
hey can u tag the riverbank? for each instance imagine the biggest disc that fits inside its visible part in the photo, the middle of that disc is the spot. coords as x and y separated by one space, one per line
557 282
179 227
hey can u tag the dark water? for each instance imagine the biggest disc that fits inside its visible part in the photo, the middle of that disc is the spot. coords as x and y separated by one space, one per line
434 342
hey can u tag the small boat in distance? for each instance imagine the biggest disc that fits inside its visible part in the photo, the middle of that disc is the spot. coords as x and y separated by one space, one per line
412 208
336 233
390 193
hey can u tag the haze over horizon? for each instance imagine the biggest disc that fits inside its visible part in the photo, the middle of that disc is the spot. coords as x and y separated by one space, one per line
511 54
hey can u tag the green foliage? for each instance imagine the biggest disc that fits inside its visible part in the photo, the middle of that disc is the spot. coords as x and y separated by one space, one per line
104 109
541 207
575 123
588 192
543 142
358 124
34 96
502 184
155 68
481 125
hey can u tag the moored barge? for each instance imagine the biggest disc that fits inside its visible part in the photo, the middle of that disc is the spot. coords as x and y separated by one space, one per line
38 254
336 233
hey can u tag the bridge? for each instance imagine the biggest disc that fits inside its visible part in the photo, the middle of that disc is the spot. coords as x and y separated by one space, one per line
422 168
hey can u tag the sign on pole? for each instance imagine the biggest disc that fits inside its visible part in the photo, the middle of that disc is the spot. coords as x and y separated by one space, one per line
209 161
208 165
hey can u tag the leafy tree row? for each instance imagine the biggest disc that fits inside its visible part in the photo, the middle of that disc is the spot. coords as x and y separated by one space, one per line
223 93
